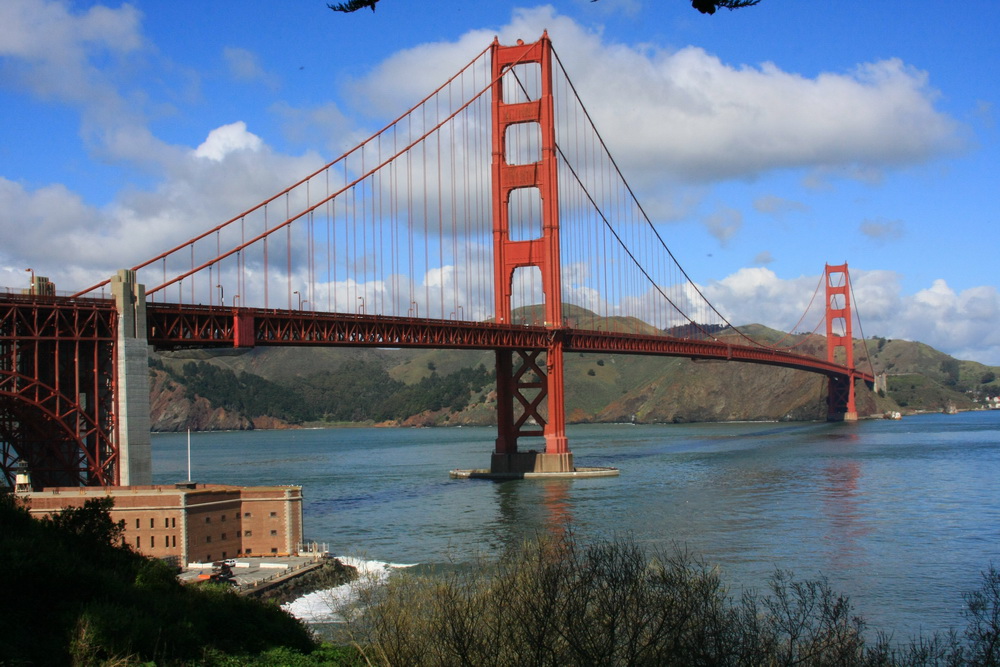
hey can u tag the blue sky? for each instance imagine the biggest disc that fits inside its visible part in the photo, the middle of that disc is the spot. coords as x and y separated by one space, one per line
766 140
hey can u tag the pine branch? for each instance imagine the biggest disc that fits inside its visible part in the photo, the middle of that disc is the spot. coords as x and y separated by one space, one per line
353 6
709 6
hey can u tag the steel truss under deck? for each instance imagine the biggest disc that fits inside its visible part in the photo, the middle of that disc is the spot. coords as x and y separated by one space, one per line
57 390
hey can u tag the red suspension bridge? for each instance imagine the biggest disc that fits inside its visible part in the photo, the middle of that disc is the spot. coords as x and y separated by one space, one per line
489 216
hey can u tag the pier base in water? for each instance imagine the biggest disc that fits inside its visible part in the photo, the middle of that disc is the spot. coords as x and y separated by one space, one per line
522 462
533 465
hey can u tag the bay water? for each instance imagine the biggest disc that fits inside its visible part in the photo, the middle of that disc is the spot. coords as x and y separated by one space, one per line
901 516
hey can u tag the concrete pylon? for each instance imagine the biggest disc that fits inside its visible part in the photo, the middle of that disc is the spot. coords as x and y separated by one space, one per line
135 454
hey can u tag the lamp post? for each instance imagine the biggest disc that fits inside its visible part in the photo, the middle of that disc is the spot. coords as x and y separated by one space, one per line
32 272
236 298
361 308
302 305
222 295
296 293
416 309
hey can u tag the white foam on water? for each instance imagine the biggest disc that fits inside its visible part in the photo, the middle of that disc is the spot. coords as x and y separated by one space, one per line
325 606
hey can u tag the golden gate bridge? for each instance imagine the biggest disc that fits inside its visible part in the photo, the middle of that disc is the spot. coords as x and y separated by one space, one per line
489 216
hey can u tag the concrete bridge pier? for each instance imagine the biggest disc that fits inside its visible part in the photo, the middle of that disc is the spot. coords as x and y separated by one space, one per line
135 456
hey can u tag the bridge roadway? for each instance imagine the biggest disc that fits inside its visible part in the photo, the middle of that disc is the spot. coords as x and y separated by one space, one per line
182 326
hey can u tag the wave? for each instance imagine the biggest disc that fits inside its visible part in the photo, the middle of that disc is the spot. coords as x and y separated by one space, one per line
327 606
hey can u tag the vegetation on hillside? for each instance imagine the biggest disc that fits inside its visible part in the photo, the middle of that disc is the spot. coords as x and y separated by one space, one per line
360 391
75 594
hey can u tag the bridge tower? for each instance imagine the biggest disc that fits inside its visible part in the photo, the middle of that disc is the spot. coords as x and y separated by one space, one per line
524 383
841 404
132 381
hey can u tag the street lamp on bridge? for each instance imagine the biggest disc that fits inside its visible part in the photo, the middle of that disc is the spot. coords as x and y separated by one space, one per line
222 295
296 293
361 308
415 309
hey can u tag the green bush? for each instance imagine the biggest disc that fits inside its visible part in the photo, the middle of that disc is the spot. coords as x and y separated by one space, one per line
554 602
85 598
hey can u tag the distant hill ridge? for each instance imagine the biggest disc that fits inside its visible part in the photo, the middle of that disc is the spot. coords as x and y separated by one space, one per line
289 387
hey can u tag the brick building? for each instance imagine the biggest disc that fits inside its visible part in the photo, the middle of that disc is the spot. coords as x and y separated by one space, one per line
188 522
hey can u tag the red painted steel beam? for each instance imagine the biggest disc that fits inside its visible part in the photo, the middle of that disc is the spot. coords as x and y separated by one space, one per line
202 326
622 343
57 393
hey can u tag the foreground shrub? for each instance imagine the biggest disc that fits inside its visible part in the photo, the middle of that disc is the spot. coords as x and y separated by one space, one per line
556 602
78 595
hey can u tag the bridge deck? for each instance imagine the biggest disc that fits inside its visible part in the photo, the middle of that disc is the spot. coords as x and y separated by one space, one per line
206 326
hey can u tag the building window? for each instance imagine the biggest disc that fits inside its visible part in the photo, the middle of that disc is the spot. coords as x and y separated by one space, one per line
152 541
274 550
138 541
173 522
150 522
223 518
274 533
137 523
248 551
166 522
223 537
173 538
208 519
274 515
247 533
208 538
246 515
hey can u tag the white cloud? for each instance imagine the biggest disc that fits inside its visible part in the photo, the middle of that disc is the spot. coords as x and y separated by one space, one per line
963 324
227 139
883 230
243 64
44 34
69 57
724 223
325 125
778 206
739 120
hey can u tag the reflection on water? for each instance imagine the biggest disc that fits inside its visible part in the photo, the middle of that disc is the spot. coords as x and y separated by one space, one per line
842 507
900 515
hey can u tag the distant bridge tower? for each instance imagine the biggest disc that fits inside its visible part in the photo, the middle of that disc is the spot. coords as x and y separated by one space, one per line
841 404
527 382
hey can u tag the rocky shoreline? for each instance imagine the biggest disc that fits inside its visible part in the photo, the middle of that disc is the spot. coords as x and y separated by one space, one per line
330 574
